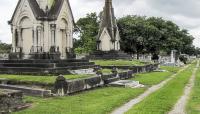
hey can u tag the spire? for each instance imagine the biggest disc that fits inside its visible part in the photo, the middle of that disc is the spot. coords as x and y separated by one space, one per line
108 3
108 32
108 19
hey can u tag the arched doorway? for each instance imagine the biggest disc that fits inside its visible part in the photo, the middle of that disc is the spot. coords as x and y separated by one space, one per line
64 38
26 34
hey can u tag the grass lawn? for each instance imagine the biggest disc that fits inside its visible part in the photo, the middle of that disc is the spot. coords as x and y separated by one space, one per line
99 101
153 78
193 106
39 79
170 68
163 100
118 63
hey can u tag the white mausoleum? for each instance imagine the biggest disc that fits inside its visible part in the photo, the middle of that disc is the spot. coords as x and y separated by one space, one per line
108 37
42 27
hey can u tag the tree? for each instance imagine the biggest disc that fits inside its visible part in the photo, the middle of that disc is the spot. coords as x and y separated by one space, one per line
4 48
153 35
88 29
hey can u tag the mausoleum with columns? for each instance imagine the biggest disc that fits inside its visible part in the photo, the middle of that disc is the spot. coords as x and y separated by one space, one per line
42 29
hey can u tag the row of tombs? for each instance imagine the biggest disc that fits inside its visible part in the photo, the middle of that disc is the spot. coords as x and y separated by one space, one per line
11 92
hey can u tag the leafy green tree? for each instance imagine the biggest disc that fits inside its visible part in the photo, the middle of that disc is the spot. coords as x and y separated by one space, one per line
5 48
153 35
88 30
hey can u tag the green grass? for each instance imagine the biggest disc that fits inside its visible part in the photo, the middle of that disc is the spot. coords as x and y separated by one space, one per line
193 106
163 100
118 63
39 79
153 78
99 101
106 71
170 68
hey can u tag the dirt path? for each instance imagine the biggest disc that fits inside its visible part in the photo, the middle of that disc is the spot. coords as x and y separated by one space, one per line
130 104
179 108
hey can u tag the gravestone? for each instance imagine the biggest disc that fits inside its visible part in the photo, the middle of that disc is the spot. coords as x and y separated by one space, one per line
173 56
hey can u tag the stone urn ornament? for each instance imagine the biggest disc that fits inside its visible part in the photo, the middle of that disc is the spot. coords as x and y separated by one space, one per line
61 85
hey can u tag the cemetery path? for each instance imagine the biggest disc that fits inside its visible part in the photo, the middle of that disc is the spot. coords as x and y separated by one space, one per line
179 108
133 102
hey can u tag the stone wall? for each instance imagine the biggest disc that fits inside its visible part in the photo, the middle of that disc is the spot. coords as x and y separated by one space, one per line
78 85
10 100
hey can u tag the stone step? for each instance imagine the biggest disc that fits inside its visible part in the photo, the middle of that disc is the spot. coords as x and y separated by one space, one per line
45 65
41 71
28 90
44 61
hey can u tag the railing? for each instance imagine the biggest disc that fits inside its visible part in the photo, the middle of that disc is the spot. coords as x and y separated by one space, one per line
54 49
16 49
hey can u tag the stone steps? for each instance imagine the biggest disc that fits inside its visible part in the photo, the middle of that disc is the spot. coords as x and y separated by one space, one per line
43 67
41 71
43 61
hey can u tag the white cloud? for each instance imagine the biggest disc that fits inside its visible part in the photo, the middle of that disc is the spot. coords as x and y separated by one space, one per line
185 13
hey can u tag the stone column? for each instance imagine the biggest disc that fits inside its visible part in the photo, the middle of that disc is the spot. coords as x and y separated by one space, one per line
13 30
35 39
68 40
53 35
20 39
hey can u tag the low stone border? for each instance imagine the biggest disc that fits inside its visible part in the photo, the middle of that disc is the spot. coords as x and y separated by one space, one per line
73 86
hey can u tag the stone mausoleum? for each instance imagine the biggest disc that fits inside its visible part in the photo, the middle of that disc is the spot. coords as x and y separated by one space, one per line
108 40
108 37
42 39
42 29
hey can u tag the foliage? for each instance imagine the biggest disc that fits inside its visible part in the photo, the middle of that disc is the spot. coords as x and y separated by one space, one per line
88 29
4 48
98 101
183 59
140 35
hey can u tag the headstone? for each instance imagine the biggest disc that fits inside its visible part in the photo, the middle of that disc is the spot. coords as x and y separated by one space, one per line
173 56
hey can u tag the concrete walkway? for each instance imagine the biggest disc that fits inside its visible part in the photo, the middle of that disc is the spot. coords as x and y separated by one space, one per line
179 108
130 104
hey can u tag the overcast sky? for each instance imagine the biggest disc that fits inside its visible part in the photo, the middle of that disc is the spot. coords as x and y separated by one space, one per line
185 13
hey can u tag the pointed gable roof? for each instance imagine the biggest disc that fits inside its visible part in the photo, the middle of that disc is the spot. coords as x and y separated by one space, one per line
39 14
108 20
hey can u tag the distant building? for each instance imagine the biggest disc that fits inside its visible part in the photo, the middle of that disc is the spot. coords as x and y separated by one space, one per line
108 37
108 40
42 29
